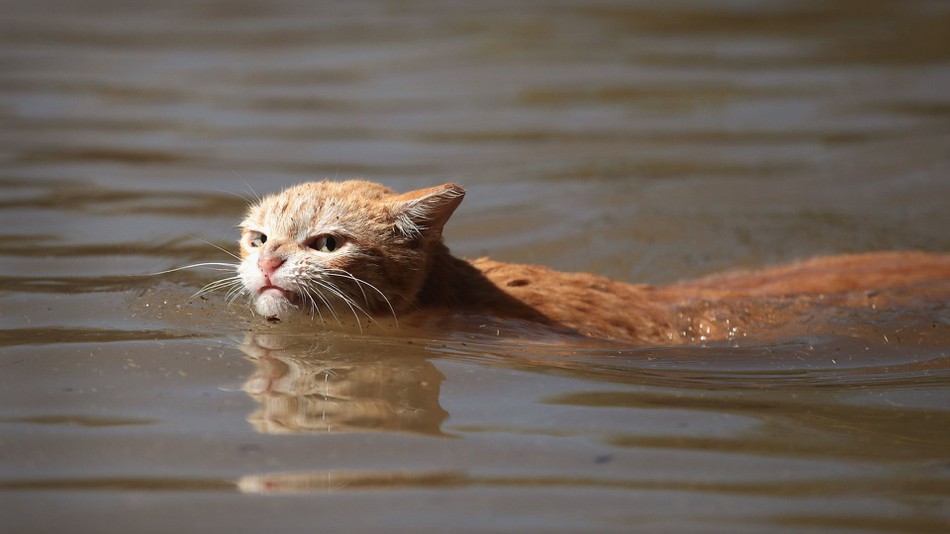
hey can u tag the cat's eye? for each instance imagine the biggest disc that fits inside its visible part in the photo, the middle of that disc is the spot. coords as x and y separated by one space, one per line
257 239
326 243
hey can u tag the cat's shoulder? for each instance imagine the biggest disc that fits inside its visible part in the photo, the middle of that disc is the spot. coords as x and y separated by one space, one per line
544 287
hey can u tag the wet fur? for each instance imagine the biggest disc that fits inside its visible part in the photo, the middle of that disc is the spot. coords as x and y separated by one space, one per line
395 266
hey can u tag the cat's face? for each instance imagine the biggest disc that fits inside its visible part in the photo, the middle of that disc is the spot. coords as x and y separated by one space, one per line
355 247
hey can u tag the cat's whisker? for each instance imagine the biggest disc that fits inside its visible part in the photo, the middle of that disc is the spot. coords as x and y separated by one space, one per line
315 308
336 272
349 302
243 179
227 279
315 283
323 299
208 288
222 283
233 284
250 189
253 193
230 282
338 294
219 247
230 267
234 293
315 311
360 282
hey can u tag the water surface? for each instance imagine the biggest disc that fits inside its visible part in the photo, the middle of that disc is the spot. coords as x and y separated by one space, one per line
646 141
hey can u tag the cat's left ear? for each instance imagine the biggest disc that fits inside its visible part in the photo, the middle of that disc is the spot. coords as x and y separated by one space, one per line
425 212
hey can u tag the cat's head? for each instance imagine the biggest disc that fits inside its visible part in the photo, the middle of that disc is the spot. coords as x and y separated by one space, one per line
354 247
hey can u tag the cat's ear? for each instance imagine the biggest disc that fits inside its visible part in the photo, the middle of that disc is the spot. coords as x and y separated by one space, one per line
425 212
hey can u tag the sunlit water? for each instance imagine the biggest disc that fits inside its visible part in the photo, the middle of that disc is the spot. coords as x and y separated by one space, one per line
646 141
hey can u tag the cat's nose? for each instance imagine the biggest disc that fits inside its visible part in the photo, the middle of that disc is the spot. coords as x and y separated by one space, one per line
269 264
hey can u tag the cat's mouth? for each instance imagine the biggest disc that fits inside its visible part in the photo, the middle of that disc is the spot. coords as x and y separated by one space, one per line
287 294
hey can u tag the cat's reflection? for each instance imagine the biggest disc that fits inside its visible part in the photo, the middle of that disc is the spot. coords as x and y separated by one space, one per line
340 385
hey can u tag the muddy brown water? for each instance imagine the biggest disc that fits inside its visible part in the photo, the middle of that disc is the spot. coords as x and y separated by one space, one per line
647 141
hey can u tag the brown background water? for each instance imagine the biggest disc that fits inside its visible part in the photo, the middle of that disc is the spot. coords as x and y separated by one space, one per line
648 141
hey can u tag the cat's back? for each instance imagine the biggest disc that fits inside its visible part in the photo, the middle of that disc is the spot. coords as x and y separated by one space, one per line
719 306
827 275
591 305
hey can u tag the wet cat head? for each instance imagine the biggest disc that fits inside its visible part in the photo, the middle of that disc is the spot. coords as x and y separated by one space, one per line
329 247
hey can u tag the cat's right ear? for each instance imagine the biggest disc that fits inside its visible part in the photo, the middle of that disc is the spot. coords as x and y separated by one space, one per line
424 212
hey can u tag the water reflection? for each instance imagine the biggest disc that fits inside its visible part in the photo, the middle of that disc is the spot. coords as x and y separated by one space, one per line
333 385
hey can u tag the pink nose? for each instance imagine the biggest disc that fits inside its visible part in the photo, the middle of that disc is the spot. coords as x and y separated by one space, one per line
269 264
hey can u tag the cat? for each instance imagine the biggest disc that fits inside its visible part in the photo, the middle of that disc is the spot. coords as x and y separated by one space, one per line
357 249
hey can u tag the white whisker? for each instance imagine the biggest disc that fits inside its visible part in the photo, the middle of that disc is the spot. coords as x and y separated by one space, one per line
230 268
232 282
224 282
249 188
315 308
234 293
319 294
348 301
219 247
335 272
360 283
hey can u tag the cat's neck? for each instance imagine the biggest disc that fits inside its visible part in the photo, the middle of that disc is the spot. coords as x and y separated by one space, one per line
451 282
455 284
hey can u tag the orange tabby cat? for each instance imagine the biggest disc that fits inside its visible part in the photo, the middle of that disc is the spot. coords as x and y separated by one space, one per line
356 247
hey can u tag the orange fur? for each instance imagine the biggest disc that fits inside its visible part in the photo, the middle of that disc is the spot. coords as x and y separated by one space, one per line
395 264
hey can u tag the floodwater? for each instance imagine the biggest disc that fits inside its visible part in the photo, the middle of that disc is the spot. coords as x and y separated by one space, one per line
648 141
